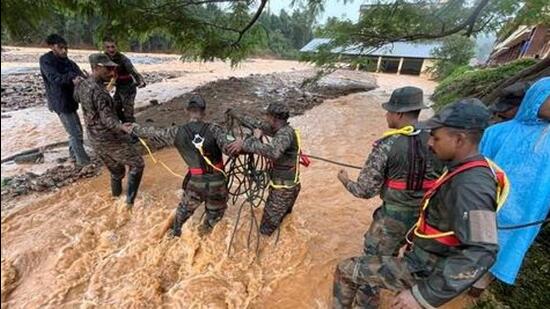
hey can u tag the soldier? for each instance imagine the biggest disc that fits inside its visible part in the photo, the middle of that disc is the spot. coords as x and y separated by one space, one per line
126 80
200 144
400 168
284 151
105 130
455 239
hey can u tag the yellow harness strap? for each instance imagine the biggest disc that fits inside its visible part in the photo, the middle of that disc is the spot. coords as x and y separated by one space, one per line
406 130
297 174
210 162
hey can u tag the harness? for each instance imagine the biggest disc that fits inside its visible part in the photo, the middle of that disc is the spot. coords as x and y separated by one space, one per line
423 230
415 180
301 159
198 142
197 139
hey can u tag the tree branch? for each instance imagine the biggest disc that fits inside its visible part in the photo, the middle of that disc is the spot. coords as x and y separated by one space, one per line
251 23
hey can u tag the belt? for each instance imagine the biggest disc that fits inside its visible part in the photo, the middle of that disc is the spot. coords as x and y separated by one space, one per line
200 171
402 185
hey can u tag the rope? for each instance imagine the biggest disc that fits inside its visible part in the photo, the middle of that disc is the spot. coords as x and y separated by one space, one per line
334 162
155 160
520 226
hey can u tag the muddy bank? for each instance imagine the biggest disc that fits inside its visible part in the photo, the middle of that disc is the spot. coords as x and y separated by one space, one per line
251 94
20 91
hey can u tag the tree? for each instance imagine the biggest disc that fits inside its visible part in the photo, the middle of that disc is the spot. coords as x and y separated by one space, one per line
455 51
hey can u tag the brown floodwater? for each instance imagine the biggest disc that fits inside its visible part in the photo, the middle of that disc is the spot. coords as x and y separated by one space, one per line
79 247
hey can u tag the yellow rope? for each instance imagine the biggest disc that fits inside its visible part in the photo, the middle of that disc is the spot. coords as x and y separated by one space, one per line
210 162
155 160
407 130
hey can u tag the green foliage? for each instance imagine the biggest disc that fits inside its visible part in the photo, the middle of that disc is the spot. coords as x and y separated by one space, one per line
383 21
455 51
468 82
205 32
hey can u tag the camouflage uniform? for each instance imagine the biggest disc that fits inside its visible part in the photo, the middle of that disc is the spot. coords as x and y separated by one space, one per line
435 271
208 186
110 143
398 158
125 93
283 151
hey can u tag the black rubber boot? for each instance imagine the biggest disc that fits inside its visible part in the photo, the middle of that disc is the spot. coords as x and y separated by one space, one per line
134 179
181 216
116 186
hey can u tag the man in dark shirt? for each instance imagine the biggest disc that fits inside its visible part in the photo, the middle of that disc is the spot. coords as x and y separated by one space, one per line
127 81
455 239
60 76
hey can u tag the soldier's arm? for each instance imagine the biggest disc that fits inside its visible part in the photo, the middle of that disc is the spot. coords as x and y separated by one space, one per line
160 136
371 178
106 112
52 74
251 122
272 150
474 222
131 69
220 134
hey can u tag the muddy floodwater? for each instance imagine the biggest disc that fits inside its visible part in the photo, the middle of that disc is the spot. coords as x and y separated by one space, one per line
78 247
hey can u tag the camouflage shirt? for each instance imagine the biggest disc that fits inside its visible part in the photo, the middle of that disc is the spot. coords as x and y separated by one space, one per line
389 159
282 149
167 136
125 67
100 118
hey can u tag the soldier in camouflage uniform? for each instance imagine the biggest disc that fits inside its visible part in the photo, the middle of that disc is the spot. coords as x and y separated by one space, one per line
283 150
127 79
400 168
205 181
455 238
105 130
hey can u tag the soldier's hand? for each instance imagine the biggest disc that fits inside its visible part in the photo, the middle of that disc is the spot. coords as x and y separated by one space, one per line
235 148
127 127
343 177
258 133
405 300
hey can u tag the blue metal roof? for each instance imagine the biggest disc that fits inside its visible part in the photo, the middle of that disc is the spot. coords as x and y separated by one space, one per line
398 49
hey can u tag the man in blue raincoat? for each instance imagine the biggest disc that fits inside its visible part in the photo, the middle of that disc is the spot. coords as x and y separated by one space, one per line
521 147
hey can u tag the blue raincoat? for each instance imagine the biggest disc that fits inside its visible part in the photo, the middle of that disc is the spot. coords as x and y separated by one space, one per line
521 147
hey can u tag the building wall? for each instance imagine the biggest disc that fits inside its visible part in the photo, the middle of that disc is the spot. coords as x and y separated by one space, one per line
424 71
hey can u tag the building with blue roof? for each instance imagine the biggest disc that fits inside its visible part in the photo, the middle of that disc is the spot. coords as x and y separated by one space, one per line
399 57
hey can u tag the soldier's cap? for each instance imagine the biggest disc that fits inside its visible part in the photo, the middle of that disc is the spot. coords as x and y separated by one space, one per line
196 101
468 114
101 59
511 97
279 110
405 99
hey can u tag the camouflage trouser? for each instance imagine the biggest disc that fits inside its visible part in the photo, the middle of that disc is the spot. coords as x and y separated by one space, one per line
370 273
117 155
124 102
211 190
386 234
279 203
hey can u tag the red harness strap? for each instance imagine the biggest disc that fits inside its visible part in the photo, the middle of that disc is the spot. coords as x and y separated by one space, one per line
124 77
402 185
423 226
200 171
